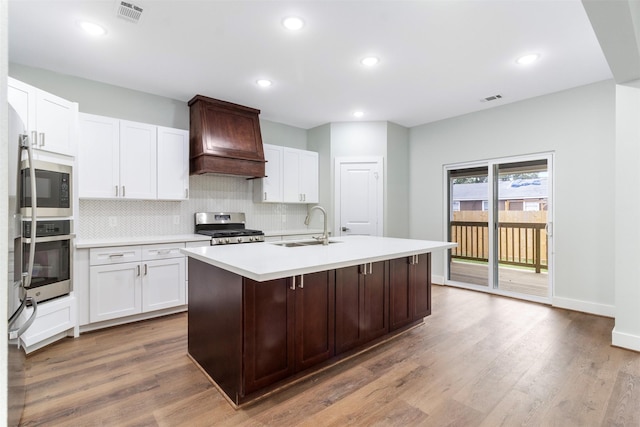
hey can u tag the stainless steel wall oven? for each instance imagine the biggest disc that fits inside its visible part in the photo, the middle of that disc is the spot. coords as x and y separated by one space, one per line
52 261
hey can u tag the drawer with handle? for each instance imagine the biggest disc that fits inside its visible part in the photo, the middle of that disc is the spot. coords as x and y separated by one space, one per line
114 255
162 251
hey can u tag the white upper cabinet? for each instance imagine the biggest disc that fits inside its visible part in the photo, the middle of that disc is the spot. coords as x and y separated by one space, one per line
138 160
99 157
308 177
292 176
300 176
50 120
173 164
120 159
269 189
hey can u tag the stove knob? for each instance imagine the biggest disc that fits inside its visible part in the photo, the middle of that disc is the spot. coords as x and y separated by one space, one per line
239 239
251 239
227 240
220 242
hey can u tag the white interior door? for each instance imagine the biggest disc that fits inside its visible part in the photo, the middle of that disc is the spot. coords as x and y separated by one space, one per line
359 197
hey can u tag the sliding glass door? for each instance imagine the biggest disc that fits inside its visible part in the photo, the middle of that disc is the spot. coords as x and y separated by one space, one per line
499 214
468 225
522 241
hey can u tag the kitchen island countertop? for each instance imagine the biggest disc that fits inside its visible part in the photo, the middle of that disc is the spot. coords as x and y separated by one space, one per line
268 261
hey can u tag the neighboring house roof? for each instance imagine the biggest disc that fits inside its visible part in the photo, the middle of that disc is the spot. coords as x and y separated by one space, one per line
507 190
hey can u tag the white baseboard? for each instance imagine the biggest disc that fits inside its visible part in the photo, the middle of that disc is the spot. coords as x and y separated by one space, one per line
130 319
437 280
584 306
624 340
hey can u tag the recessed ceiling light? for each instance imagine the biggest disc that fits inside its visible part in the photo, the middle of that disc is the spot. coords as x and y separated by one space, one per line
293 23
370 61
528 58
92 28
264 82
358 114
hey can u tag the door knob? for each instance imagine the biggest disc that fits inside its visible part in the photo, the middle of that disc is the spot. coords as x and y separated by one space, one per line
345 229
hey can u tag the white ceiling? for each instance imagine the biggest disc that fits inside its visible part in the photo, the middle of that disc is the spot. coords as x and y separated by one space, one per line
438 58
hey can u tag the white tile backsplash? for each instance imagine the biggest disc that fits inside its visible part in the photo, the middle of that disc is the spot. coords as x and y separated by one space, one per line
208 193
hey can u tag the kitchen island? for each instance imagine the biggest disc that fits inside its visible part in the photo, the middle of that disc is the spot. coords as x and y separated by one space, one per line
264 315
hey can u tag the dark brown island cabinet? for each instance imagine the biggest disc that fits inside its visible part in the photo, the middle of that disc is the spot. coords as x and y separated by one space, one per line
252 338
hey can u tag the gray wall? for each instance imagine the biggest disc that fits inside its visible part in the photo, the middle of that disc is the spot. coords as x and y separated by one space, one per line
279 134
107 100
319 140
113 101
396 216
627 211
578 125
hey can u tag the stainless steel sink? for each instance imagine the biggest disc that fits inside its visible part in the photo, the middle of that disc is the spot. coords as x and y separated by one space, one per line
302 243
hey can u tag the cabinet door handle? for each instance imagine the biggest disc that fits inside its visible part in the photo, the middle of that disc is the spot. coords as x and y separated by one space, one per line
120 255
138 269
117 192
265 195
364 268
293 283
146 270
34 138
123 194
370 268
301 285
41 139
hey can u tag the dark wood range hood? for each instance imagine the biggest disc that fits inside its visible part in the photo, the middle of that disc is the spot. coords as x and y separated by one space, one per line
224 138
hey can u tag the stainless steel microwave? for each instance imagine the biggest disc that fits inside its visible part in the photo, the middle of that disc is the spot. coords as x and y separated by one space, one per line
53 189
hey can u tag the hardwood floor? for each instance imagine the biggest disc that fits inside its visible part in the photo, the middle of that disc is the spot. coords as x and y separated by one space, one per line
479 360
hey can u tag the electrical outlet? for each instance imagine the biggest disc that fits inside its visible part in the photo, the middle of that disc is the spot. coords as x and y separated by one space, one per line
113 221
176 219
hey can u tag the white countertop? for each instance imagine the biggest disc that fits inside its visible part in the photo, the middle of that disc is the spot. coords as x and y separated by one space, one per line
267 261
141 240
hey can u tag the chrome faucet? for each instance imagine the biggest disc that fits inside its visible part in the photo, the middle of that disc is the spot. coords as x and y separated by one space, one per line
325 234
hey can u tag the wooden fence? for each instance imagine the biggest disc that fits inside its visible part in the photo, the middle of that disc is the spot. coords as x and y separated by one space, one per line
519 243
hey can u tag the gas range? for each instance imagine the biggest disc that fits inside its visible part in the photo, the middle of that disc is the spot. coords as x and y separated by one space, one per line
226 228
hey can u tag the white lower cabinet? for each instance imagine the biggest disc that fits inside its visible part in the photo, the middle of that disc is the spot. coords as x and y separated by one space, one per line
129 280
56 319
114 291
159 284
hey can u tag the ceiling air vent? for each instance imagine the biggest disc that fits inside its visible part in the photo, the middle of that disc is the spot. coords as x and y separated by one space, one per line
491 98
129 11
